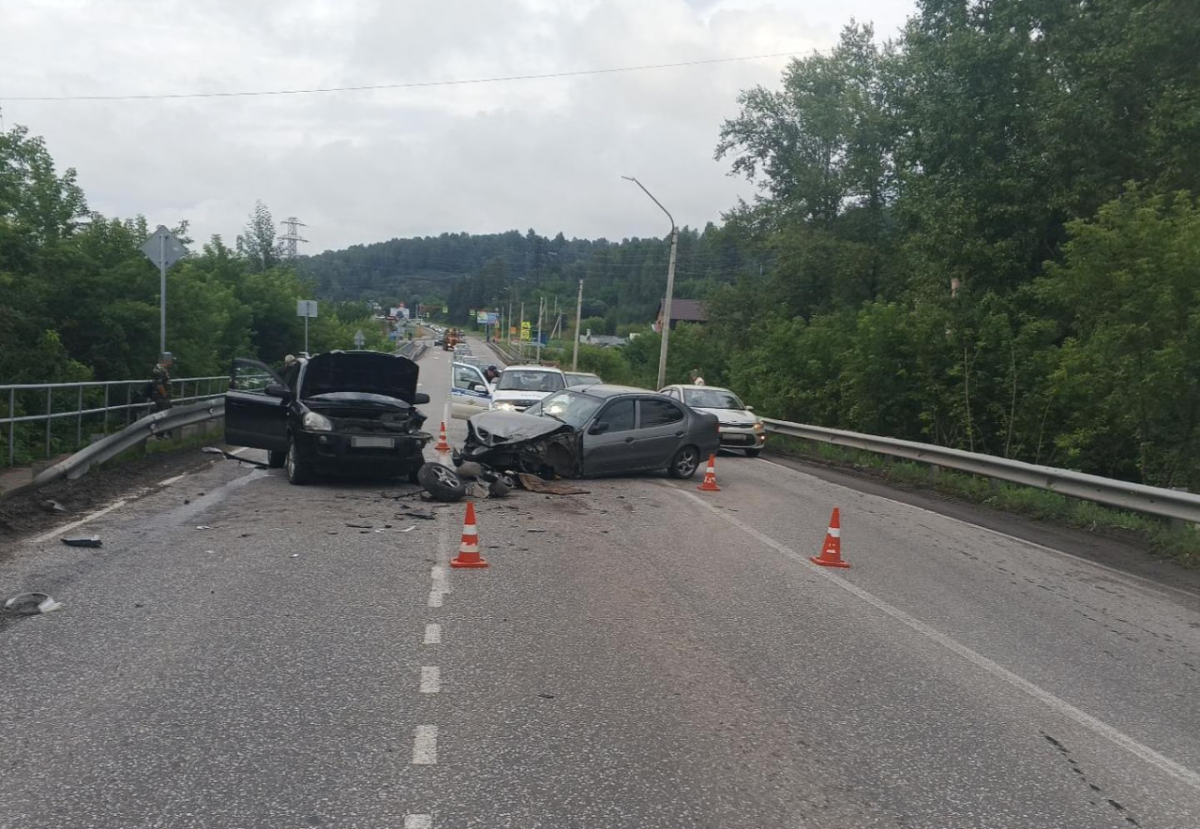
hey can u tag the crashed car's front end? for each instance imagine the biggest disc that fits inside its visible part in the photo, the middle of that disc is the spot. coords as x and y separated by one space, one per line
357 412
518 442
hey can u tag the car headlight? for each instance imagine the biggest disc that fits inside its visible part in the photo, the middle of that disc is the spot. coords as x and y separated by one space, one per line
504 406
758 427
317 423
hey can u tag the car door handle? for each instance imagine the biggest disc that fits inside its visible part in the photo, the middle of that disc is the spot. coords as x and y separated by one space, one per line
679 434
629 440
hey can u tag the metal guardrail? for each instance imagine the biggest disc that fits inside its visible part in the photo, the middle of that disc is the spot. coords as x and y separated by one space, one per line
91 398
133 434
1151 500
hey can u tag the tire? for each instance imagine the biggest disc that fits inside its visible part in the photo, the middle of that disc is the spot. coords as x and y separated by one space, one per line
276 460
441 482
299 470
685 463
753 453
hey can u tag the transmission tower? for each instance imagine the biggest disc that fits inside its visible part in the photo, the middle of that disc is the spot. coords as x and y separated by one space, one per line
292 237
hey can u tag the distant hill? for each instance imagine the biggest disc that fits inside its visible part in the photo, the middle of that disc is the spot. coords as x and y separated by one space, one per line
624 280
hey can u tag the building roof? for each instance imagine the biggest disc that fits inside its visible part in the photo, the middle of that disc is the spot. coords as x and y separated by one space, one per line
686 310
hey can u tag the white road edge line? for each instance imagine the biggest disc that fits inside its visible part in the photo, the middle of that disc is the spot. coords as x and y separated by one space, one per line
433 634
425 746
67 528
431 679
1163 763
1148 582
170 481
418 822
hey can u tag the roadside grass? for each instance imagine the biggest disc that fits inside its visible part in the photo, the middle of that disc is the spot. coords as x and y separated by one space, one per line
1181 544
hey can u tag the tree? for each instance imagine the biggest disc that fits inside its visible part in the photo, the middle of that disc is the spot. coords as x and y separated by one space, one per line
258 242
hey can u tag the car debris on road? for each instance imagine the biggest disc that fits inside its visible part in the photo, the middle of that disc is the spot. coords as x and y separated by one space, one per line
31 604
83 541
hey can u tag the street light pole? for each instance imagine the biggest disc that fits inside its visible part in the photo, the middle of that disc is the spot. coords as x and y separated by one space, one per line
578 314
666 328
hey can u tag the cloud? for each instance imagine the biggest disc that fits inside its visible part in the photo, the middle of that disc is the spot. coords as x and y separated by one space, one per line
364 166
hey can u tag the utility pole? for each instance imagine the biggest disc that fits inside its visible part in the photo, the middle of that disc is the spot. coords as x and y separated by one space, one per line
578 317
521 333
666 328
292 237
541 306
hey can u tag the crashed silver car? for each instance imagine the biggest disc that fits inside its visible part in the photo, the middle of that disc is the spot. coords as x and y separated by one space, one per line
599 430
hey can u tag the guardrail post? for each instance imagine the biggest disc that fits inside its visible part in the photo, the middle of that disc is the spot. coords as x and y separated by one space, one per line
1178 524
106 408
79 419
12 414
127 404
49 408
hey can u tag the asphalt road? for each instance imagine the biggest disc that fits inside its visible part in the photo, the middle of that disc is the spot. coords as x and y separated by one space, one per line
642 656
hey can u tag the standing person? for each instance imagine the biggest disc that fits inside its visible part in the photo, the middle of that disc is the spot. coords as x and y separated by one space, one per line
160 382
697 380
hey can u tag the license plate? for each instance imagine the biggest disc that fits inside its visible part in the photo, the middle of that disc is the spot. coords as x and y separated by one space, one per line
372 443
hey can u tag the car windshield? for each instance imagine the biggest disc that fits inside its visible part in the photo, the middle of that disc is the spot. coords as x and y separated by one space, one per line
570 407
711 399
530 380
577 378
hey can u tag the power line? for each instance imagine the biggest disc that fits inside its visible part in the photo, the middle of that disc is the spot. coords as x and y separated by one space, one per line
376 87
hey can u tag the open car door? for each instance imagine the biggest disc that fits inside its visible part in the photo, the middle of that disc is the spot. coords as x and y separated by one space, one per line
470 393
256 407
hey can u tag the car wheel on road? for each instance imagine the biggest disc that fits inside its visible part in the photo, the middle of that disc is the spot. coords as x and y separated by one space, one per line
441 482
685 463
276 460
752 453
298 471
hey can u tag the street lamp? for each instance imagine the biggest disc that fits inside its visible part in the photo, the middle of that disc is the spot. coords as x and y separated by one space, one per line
666 328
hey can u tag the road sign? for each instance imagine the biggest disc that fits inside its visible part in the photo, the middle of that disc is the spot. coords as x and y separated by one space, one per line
526 331
306 308
163 248
360 339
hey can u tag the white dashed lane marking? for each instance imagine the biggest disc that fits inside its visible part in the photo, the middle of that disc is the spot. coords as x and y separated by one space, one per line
435 598
431 679
418 822
433 634
425 745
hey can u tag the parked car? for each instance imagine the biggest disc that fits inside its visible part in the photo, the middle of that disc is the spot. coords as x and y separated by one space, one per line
520 387
470 392
345 411
600 430
581 378
741 428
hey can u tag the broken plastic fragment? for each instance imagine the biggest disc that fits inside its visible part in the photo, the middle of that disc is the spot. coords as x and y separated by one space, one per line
83 541
31 604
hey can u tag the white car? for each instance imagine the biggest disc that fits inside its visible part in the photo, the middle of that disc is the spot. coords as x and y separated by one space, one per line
739 426
520 387
470 392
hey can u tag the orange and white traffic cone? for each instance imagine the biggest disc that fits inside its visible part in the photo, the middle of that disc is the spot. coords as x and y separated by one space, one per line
831 550
468 550
442 445
710 476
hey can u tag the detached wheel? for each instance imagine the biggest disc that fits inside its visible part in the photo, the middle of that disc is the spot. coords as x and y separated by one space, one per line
441 482
299 470
685 463
276 460
753 453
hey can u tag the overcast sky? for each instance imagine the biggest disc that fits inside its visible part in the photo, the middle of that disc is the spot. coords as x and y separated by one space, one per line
361 167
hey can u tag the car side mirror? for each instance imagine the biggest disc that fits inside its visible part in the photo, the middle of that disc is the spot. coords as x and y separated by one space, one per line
598 428
478 387
420 398
749 408
278 390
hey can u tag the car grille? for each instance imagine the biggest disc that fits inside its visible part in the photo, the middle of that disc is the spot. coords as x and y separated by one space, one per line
522 404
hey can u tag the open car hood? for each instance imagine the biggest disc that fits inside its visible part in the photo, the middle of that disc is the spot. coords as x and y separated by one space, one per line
493 428
367 372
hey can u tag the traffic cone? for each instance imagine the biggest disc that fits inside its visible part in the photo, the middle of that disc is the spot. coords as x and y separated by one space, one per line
710 476
442 445
468 550
831 550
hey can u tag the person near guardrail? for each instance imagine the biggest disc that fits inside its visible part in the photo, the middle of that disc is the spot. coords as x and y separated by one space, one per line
159 388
